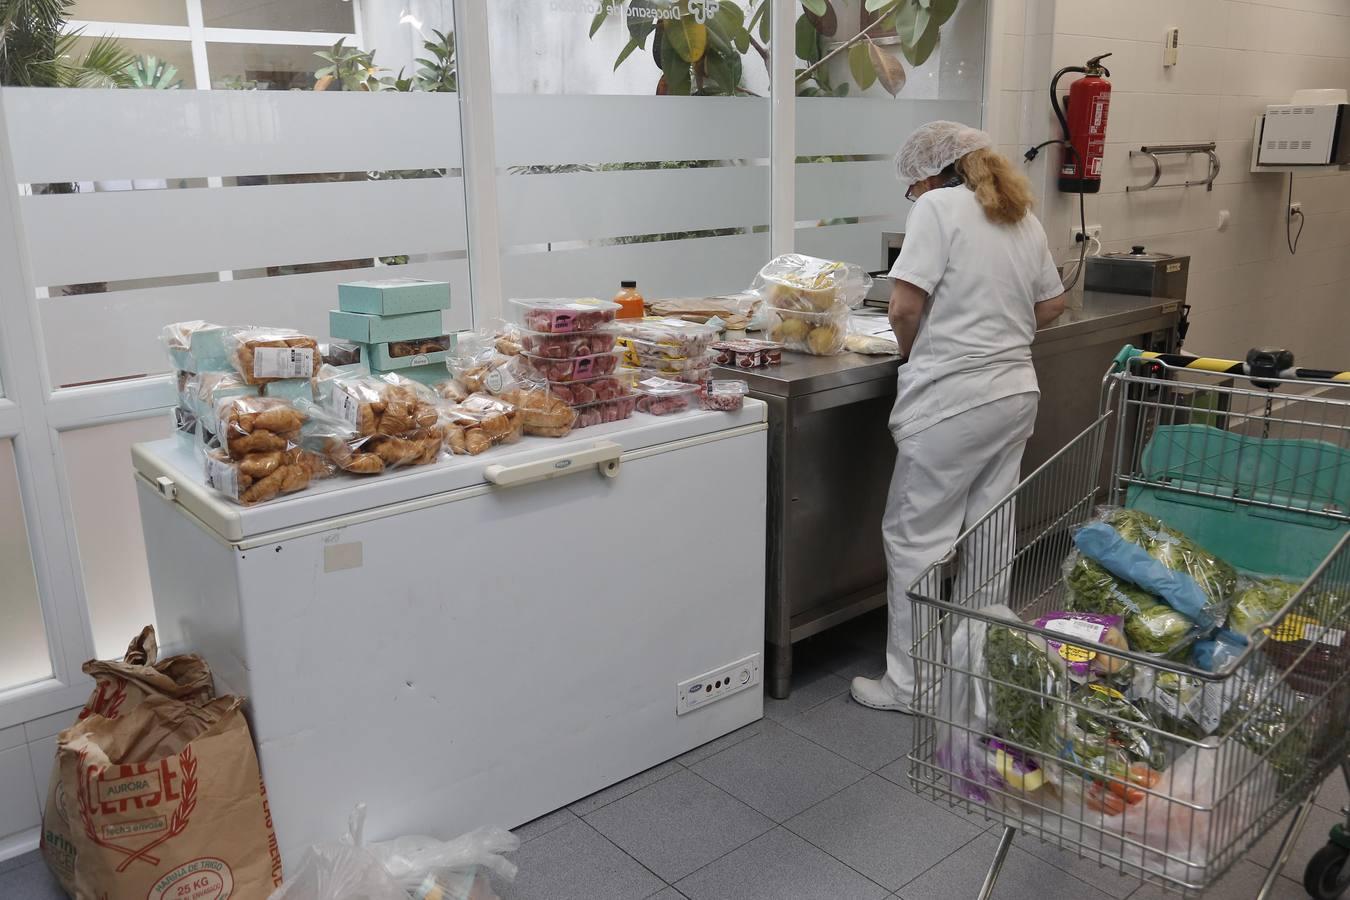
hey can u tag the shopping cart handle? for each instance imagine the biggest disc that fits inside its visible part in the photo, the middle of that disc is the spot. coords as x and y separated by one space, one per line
1127 353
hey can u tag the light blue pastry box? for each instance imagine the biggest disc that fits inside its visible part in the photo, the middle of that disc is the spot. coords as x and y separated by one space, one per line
393 296
373 329
380 360
290 389
430 375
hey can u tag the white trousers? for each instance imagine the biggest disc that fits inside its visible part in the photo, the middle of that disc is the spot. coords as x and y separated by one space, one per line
946 477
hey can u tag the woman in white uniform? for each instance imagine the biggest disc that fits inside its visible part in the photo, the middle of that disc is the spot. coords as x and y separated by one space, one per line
973 281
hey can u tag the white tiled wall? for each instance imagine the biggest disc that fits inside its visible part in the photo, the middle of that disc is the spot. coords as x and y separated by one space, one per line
27 752
1236 57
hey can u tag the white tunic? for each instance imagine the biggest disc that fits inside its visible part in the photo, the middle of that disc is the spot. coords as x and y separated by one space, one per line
983 282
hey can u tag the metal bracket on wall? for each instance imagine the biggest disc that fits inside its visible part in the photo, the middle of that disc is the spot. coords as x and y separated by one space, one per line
1156 150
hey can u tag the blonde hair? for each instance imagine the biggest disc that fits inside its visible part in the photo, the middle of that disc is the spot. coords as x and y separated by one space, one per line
1003 191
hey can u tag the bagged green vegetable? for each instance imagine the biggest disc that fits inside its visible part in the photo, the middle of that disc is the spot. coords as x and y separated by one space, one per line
1215 579
1257 602
1022 684
1266 716
1150 626
1090 736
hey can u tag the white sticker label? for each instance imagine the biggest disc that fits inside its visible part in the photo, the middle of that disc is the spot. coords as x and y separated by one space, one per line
283 362
222 476
1332 637
345 404
1088 631
1211 708
494 381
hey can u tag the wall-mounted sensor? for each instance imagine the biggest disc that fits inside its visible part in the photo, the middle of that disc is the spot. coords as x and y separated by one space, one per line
1171 46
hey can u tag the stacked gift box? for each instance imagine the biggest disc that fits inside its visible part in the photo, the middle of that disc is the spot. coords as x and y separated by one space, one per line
397 323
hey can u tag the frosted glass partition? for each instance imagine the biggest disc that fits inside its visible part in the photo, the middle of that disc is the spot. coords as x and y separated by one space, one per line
23 641
670 191
107 524
147 207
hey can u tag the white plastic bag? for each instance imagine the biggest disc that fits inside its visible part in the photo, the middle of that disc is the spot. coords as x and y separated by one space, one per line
414 866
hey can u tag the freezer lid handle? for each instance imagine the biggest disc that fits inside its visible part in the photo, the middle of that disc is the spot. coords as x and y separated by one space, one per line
604 455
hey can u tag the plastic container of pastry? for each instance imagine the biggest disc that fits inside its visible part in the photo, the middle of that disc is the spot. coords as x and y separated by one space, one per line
663 396
747 354
688 376
578 368
565 315
567 345
592 390
605 411
723 396
661 364
674 338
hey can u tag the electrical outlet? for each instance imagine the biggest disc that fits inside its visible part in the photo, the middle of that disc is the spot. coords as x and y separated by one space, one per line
1295 209
729 679
1076 233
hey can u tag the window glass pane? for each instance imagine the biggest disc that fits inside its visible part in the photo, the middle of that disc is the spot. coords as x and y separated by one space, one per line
23 641
626 170
855 111
108 528
147 12
177 54
262 67
280 15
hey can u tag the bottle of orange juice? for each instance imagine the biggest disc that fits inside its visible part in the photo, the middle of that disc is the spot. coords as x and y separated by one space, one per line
631 304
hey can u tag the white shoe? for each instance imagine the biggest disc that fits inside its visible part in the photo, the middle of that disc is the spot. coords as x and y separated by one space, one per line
874 693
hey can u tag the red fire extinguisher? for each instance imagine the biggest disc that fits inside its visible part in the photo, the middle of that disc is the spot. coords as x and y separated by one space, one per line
1089 101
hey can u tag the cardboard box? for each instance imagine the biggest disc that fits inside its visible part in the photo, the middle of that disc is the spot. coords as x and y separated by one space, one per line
365 328
431 374
290 389
393 296
380 358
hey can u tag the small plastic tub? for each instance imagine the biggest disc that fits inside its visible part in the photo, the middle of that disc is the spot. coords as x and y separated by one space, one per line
578 368
564 316
666 365
688 376
747 354
592 390
605 411
566 346
724 396
663 396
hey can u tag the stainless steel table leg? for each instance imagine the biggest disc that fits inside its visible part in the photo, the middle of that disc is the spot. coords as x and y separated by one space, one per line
779 670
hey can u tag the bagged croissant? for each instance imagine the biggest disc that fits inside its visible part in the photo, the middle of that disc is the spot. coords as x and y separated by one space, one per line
163 802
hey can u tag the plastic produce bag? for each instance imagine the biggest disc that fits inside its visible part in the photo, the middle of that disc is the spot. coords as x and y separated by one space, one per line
404 868
1150 626
481 422
376 422
1023 689
1173 567
1105 733
256 455
1083 663
1257 602
807 301
261 355
541 413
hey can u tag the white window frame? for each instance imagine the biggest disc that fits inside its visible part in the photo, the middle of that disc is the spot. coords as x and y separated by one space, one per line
33 414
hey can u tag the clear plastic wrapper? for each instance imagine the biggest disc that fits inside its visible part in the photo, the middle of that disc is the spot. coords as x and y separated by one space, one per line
1257 602
592 390
425 346
1138 547
663 397
671 365
564 315
177 341
481 422
1081 662
577 368
657 339
263 475
698 375
723 395
606 411
376 422
804 283
1092 737
257 424
478 367
816 333
559 346
261 355
1150 625
340 353
1023 683
747 354
541 413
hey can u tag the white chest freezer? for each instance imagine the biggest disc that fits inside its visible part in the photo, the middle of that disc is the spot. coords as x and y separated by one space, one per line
459 645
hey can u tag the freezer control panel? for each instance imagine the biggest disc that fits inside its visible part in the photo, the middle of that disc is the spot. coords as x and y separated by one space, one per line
713 686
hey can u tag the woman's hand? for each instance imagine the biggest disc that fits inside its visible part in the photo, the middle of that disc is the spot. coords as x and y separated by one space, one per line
905 312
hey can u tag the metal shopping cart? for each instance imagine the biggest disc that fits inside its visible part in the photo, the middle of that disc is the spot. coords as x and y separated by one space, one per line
1153 766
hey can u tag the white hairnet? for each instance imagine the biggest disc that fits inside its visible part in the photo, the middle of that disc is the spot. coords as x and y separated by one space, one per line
935 146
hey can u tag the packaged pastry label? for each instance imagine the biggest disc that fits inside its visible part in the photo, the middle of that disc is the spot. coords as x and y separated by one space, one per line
222 476
494 381
345 404
1297 627
283 362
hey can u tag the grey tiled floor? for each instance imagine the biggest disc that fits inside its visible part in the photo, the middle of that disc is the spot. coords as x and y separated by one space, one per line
810 803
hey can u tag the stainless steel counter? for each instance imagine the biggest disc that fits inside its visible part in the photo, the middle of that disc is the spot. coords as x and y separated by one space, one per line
831 456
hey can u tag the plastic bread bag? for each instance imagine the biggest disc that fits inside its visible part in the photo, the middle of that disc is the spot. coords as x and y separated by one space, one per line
458 869
376 422
1150 626
648 341
1171 566
176 339
807 284
479 423
542 413
817 333
477 365
261 355
257 425
263 475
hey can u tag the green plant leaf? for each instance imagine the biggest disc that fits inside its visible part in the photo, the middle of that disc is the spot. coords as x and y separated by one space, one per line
814 6
725 69
827 23
921 20
942 10
674 69
808 42
890 72
689 38
628 49
919 53
841 90
599 19
860 65
904 19
874 5
730 21
639 26
925 3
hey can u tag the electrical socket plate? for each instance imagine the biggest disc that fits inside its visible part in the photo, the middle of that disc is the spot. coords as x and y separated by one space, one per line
713 686
1094 231
1296 208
